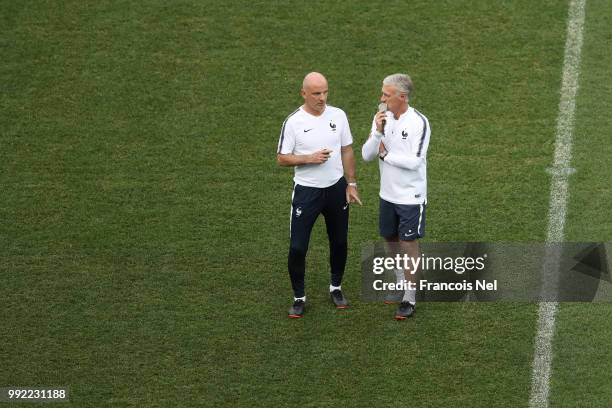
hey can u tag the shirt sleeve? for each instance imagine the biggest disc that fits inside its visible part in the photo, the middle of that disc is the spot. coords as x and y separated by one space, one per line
286 141
346 137
369 150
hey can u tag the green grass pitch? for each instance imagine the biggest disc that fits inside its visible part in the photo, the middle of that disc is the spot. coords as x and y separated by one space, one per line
144 220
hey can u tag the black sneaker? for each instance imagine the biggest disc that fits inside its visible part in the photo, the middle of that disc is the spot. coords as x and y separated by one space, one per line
297 310
404 311
338 299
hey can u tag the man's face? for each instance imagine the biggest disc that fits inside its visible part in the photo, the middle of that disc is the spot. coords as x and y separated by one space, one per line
392 98
315 95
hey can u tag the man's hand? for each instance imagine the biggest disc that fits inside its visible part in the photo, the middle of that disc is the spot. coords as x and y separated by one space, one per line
352 195
382 149
320 156
380 119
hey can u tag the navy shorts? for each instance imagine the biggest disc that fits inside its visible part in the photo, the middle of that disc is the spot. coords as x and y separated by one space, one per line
405 221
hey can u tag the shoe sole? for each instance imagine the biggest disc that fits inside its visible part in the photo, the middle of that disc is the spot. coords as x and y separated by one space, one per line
342 307
399 317
294 316
390 302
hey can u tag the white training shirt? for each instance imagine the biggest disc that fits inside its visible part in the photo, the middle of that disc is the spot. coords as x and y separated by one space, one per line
303 133
403 172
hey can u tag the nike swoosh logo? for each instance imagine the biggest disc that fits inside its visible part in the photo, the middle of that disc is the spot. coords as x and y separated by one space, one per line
409 235
308 130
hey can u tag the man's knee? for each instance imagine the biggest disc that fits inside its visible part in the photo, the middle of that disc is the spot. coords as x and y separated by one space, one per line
412 244
297 250
410 247
339 245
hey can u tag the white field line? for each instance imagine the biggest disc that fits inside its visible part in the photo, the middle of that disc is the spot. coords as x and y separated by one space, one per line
559 194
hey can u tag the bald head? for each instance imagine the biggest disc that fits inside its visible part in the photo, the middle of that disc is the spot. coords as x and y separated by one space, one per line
314 79
314 92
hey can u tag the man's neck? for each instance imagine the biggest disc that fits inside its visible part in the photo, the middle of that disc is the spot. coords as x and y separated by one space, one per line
313 112
401 111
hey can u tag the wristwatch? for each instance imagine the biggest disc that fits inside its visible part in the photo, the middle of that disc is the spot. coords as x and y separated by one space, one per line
353 184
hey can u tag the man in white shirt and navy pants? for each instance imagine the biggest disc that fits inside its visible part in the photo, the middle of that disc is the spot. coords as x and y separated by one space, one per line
399 140
316 139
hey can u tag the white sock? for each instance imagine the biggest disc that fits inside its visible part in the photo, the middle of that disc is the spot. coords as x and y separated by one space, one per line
332 288
409 296
303 298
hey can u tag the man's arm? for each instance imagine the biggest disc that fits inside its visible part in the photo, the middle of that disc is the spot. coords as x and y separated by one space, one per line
370 149
348 163
408 162
412 158
289 159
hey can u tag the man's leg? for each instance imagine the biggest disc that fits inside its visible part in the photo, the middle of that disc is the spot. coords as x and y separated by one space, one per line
410 248
411 228
336 213
305 208
388 223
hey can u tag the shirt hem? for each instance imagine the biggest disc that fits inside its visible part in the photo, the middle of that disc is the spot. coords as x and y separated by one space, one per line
317 186
401 202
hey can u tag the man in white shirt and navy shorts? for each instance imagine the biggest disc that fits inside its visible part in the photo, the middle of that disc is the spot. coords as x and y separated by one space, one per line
316 139
399 140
